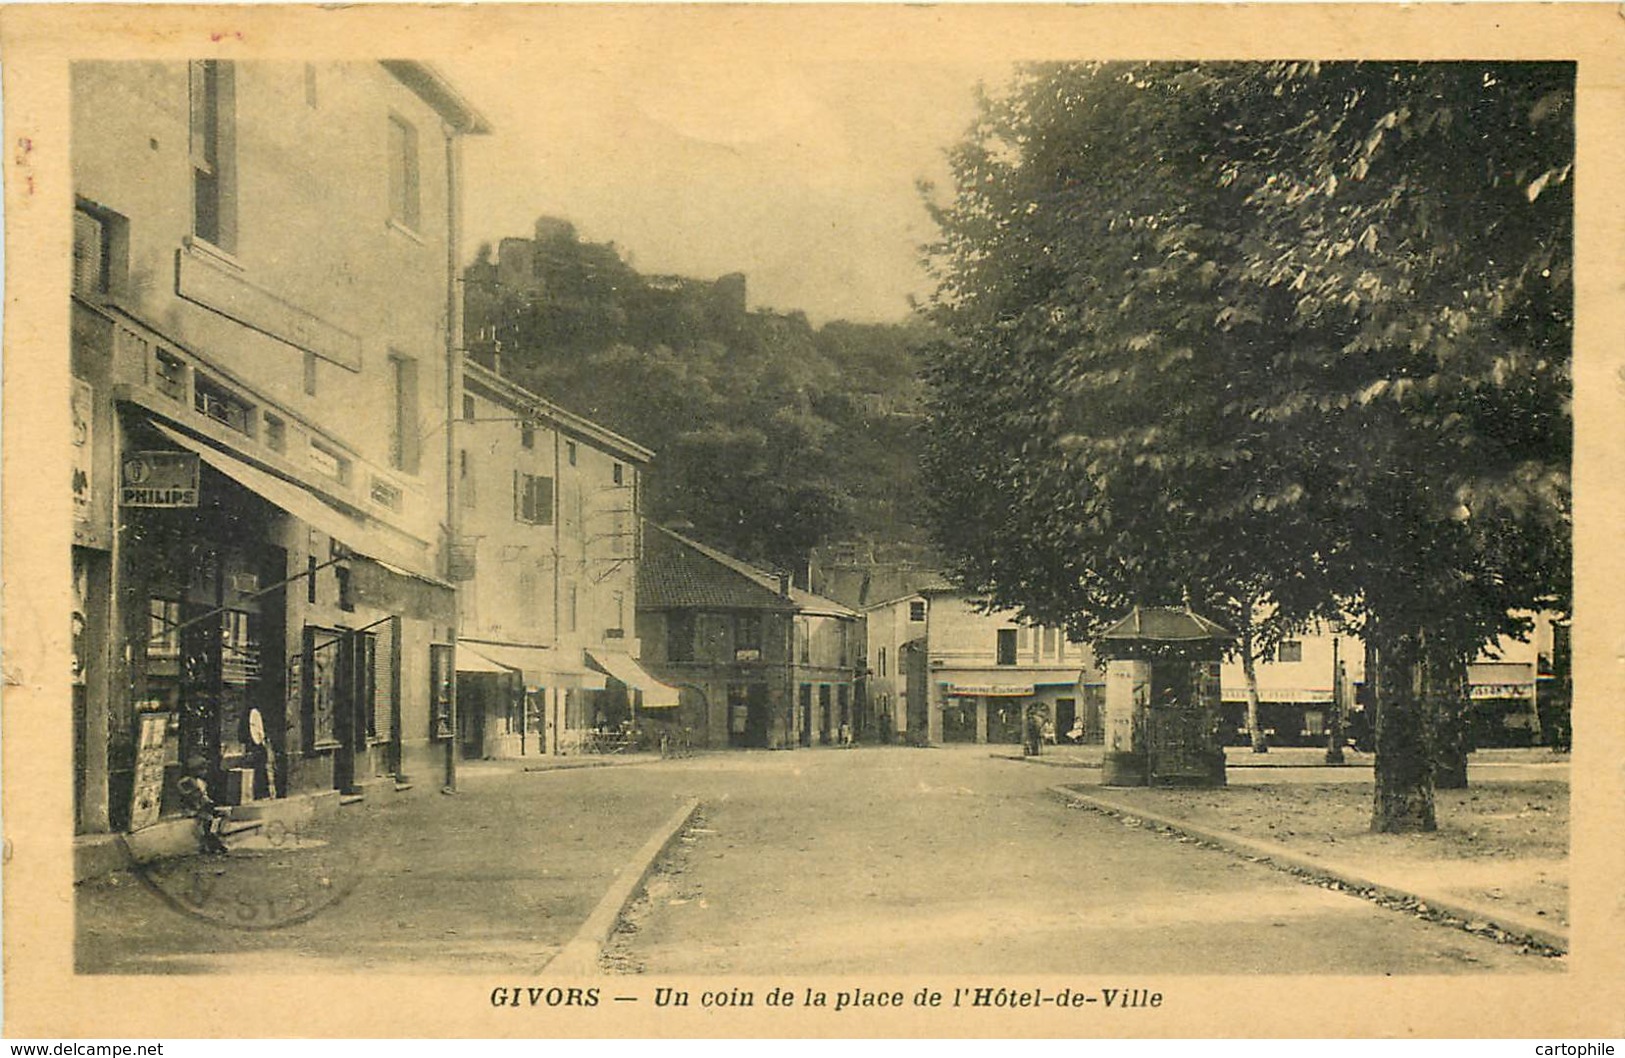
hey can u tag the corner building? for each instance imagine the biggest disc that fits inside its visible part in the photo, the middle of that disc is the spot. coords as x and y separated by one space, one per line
265 359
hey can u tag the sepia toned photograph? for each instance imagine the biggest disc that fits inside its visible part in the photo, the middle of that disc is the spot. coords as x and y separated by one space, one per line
648 520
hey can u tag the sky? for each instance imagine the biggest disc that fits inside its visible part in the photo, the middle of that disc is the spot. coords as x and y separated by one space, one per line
800 174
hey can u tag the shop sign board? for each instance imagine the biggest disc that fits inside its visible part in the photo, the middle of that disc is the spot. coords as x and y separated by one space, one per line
159 479
149 770
992 690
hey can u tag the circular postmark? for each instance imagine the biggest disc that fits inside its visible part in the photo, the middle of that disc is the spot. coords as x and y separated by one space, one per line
283 874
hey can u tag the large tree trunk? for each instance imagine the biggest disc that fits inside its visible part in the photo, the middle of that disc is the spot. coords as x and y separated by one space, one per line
1255 731
1447 695
1403 802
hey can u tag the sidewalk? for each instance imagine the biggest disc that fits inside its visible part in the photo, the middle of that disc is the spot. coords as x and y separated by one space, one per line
498 876
1498 862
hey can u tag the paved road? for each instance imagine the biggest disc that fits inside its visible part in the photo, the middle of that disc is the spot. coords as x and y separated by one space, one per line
898 860
868 860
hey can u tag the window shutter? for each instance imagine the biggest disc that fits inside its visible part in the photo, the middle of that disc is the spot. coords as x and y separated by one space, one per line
544 501
518 499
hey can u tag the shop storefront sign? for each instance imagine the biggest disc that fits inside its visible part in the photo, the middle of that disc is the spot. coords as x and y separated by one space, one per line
159 479
995 690
83 419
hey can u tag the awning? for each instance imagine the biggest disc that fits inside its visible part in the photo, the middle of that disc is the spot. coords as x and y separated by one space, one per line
540 666
656 695
471 660
295 499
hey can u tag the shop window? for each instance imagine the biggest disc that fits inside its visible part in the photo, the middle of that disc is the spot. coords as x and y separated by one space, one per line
321 688
404 435
532 499
1290 650
441 674
212 150
680 635
1006 646
221 404
404 203
916 611
747 637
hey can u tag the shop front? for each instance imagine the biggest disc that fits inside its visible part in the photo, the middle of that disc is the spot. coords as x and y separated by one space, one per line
270 651
524 699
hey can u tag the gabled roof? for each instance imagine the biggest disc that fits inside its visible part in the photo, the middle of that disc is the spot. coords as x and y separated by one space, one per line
1165 624
919 582
676 571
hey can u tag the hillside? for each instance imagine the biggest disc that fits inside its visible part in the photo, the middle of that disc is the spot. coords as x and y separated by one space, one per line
772 437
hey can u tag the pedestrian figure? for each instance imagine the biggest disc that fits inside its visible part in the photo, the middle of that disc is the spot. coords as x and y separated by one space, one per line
211 817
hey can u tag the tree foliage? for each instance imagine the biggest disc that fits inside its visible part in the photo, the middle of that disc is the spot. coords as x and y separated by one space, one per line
1288 333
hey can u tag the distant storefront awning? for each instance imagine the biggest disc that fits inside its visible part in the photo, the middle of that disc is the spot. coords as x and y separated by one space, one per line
297 500
539 666
471 660
656 695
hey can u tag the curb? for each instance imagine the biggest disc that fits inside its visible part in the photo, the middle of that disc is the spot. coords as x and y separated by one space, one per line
1281 856
579 957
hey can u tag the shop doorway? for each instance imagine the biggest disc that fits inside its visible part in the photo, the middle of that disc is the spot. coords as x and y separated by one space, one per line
823 714
1004 720
959 720
747 715
806 732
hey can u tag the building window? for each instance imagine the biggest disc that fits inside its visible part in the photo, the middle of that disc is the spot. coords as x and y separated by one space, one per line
527 436
845 642
276 433
404 206
1006 646
468 409
214 205
341 574
618 473
163 628
916 610
1049 643
680 635
329 462
90 253
310 374
570 452
532 499
571 610
618 604
386 494
221 404
171 374
747 637
880 662
1290 650
465 477
804 641
404 436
